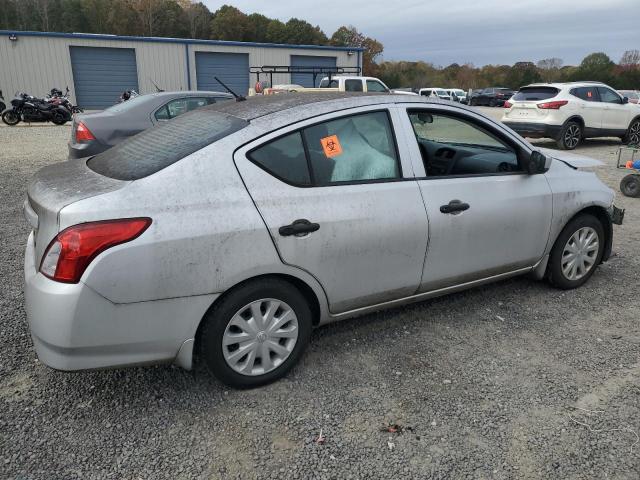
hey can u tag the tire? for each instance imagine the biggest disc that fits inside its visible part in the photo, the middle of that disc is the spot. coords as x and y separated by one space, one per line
580 229
10 117
233 317
59 118
630 185
473 102
632 137
570 136
493 103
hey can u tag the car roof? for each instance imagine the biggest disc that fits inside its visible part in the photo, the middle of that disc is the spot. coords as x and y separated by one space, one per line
188 93
565 84
297 105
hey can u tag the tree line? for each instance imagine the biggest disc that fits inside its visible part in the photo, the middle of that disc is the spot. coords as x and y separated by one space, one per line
176 19
191 19
596 67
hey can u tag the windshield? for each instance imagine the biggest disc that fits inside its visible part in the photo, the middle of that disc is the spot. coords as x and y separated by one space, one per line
130 104
325 83
535 93
442 93
157 148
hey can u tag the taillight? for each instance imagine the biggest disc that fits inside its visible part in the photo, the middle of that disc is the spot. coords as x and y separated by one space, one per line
508 105
83 134
553 105
70 253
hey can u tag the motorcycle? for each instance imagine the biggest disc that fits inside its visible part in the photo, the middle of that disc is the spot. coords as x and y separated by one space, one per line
31 109
2 104
128 95
57 98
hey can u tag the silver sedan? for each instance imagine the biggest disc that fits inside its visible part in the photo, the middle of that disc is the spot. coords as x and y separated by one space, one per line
233 230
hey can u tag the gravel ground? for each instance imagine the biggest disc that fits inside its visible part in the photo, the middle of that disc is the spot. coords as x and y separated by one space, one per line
509 381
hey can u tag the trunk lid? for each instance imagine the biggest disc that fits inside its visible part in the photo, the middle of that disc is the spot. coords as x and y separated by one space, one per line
53 188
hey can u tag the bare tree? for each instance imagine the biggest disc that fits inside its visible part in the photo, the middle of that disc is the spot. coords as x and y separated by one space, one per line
148 12
630 58
550 68
41 7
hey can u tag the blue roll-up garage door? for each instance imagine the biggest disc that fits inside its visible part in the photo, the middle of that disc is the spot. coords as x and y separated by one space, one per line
305 79
231 68
100 75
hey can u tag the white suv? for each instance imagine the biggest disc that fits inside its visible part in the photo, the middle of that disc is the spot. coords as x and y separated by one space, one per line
569 112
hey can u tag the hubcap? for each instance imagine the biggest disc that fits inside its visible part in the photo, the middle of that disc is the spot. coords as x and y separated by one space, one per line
580 253
572 136
260 337
634 133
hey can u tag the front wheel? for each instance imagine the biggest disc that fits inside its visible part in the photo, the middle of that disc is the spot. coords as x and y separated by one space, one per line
473 102
570 136
577 252
493 103
10 117
630 185
256 333
632 137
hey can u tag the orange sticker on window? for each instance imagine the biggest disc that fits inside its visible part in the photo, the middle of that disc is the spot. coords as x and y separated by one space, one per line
331 146
589 94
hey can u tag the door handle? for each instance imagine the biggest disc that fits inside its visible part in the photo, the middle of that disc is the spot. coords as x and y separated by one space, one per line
298 228
454 206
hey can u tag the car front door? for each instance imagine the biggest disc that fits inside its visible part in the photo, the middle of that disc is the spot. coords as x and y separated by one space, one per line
339 199
616 114
486 216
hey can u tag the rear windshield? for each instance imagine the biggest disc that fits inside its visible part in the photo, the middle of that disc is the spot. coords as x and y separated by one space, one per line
130 104
157 148
536 93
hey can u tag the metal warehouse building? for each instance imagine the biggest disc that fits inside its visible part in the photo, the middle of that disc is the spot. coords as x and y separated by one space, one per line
98 68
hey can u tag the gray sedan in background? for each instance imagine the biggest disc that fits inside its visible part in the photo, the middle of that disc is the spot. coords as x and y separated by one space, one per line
233 230
93 133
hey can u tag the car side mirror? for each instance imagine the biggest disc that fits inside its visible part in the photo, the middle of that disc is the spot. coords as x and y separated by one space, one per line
625 100
536 163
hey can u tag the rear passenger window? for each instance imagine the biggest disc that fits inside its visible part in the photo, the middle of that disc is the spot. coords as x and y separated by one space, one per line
357 148
285 159
352 149
588 94
353 85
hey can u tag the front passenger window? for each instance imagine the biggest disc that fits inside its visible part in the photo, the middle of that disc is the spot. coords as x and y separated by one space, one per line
451 146
609 96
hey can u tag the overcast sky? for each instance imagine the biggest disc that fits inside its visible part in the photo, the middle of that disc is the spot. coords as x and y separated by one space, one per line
476 31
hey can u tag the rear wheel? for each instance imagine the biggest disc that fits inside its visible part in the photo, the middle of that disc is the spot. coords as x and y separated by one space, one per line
256 334
493 103
570 136
59 118
10 118
473 102
632 136
577 252
630 185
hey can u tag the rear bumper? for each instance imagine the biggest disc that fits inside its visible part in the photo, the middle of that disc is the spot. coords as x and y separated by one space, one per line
75 328
83 150
534 130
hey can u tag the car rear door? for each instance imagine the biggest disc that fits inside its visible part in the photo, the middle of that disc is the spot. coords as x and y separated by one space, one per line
590 108
338 196
486 216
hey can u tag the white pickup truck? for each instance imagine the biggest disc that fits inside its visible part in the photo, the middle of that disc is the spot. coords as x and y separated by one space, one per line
341 83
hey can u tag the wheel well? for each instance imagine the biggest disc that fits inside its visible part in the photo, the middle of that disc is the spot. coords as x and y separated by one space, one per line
576 119
300 285
601 214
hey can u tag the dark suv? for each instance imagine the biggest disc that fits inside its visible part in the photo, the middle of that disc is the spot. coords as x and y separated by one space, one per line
492 97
